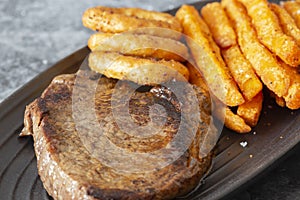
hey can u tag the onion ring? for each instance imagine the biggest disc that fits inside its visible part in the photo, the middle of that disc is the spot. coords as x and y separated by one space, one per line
139 45
117 20
139 70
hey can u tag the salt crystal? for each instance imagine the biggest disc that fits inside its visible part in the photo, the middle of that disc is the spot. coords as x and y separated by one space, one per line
244 144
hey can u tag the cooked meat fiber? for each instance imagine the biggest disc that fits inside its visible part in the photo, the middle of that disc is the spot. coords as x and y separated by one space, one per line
70 168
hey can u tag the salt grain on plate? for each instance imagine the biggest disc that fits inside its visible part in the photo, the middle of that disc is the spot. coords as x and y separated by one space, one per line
244 144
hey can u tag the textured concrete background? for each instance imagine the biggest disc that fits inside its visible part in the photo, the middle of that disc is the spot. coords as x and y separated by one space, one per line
36 34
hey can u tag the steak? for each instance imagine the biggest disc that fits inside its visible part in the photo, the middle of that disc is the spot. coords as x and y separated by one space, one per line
73 115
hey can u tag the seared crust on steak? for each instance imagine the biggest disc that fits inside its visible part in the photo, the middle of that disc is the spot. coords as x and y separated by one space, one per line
69 171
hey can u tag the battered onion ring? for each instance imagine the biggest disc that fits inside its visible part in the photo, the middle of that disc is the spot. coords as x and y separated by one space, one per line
139 45
139 70
117 20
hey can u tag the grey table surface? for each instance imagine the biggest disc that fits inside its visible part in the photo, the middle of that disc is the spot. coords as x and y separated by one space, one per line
36 34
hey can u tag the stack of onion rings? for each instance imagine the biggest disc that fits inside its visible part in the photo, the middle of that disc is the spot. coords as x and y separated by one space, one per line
136 45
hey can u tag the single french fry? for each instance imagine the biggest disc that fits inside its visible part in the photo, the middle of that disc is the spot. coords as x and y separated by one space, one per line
217 21
250 111
270 33
287 23
293 8
263 61
211 65
242 72
292 98
235 122
208 35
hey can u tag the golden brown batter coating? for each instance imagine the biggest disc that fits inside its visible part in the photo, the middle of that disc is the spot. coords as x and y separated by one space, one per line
146 46
117 20
139 70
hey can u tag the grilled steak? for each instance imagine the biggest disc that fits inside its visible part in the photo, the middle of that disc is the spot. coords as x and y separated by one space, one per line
69 160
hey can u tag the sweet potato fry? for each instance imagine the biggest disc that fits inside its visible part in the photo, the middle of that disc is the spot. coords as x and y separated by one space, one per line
211 65
235 122
139 45
292 98
250 111
279 100
293 8
270 33
242 72
231 120
287 23
262 60
215 17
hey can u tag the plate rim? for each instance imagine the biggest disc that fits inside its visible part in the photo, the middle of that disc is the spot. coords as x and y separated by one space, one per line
9 104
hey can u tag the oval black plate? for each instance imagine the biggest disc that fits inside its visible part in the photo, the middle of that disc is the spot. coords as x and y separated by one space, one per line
234 165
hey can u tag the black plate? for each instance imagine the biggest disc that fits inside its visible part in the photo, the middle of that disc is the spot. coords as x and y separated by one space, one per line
234 165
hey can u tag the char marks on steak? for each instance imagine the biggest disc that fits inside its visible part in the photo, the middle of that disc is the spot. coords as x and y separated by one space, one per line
67 168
